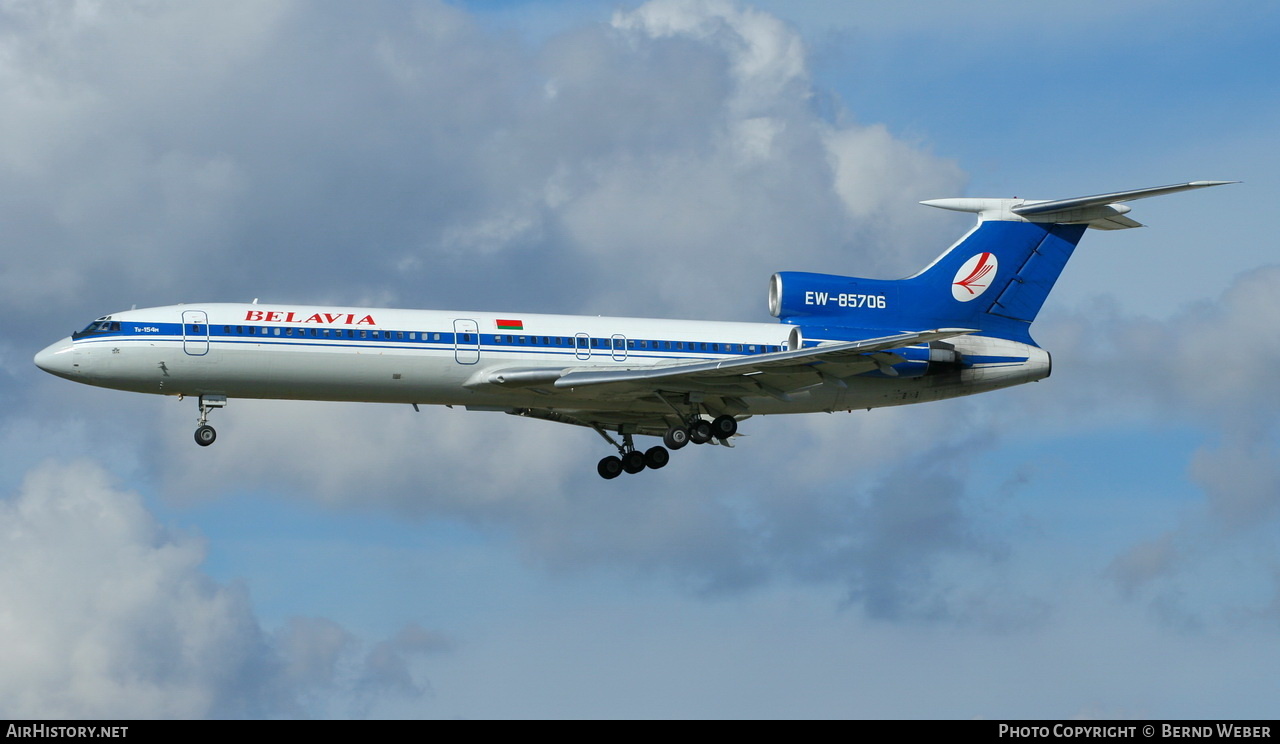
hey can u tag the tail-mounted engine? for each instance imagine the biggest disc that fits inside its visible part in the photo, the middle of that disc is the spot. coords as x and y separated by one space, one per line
798 294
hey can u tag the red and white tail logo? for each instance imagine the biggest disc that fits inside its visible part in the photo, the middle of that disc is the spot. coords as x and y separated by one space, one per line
974 277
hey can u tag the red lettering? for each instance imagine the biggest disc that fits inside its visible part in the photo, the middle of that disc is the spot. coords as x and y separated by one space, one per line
276 316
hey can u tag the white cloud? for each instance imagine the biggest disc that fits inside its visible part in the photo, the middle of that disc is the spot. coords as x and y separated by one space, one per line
1211 367
108 614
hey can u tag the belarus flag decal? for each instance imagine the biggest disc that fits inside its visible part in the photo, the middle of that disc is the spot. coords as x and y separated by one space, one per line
510 325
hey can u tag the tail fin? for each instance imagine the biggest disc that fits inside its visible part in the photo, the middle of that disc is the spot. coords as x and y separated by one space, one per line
994 279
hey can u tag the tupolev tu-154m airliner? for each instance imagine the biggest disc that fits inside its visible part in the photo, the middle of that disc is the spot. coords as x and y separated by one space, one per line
959 327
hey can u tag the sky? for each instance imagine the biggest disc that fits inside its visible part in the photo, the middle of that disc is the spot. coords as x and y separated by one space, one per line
1104 544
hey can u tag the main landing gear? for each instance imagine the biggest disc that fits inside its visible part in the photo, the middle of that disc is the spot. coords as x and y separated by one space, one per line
205 434
631 460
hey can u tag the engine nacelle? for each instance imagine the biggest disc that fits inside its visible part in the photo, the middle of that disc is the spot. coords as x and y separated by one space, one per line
798 294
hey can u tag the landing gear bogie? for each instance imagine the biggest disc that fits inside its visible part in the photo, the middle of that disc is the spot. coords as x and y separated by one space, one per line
694 429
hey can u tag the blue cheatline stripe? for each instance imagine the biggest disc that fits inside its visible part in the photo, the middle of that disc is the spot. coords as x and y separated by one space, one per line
303 336
559 346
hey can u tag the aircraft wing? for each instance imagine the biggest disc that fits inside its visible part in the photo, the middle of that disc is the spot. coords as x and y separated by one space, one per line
774 374
741 369
778 374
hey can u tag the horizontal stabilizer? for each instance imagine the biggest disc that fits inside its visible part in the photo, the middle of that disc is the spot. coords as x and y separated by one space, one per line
1082 202
1100 211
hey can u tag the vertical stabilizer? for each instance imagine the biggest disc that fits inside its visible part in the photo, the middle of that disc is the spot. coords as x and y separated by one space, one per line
994 279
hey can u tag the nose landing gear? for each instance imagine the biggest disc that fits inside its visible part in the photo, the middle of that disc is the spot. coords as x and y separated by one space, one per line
205 434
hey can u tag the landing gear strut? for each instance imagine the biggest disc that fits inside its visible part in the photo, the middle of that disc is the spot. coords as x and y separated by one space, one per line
205 434
694 429
629 459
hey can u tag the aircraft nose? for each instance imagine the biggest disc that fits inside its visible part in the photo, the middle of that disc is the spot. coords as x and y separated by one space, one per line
57 359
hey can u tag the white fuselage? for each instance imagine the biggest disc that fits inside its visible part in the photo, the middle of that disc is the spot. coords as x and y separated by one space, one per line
439 357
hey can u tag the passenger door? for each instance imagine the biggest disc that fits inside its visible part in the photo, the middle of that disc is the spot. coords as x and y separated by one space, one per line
195 332
466 341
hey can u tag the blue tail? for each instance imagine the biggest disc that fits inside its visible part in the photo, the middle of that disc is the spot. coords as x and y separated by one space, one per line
994 280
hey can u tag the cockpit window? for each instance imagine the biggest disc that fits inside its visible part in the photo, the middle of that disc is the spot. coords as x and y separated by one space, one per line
98 326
